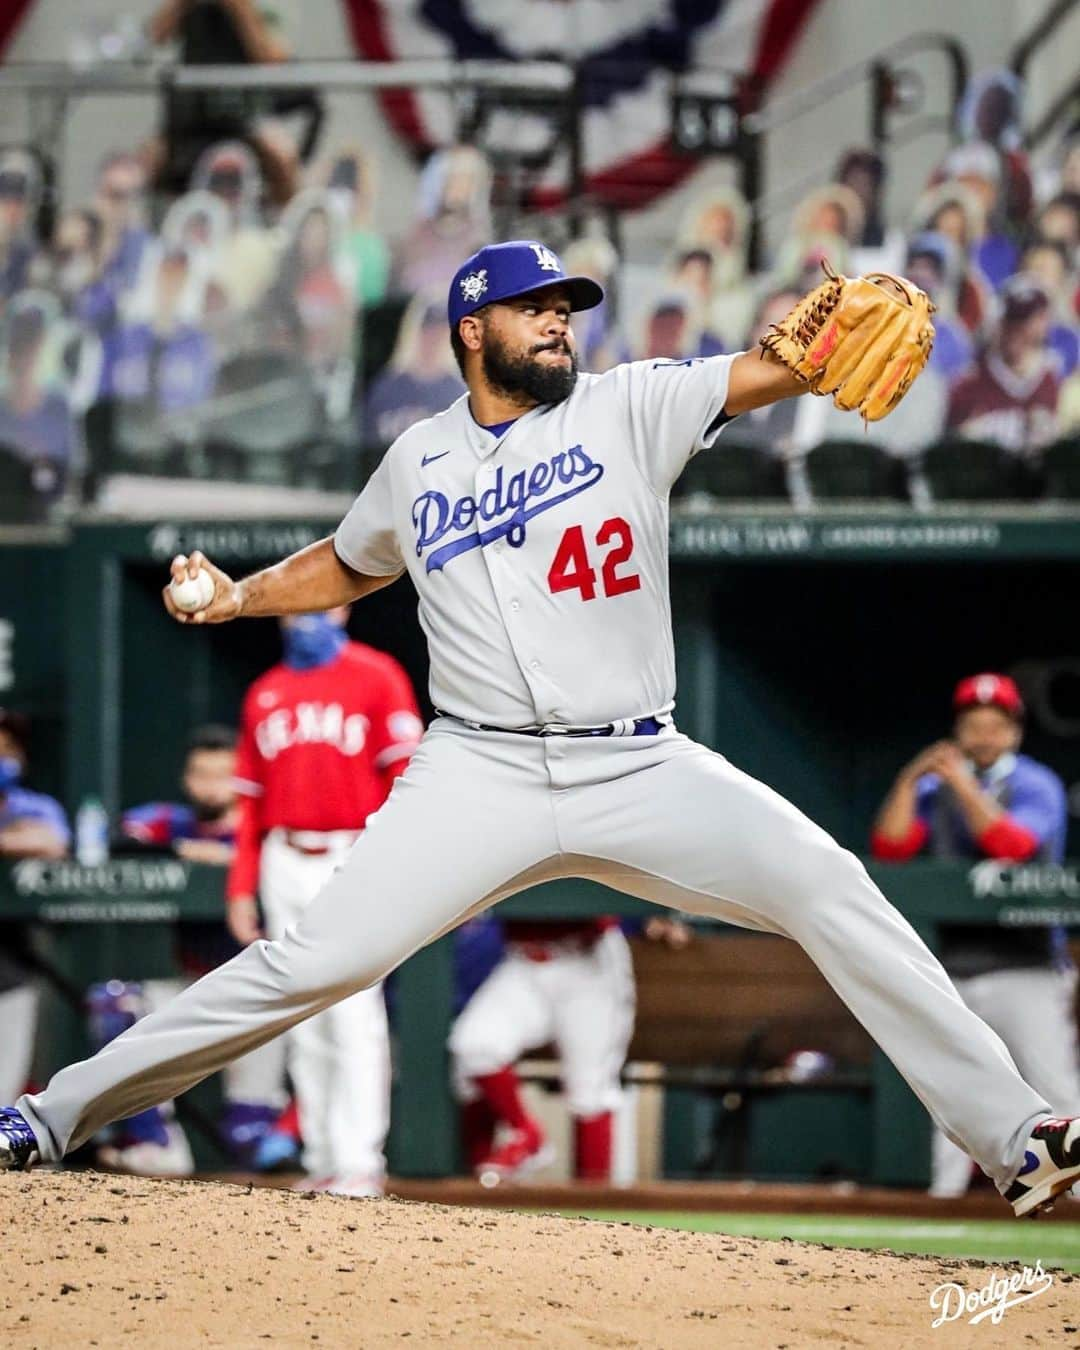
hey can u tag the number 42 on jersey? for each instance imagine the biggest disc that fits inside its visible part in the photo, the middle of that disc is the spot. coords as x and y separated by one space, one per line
571 569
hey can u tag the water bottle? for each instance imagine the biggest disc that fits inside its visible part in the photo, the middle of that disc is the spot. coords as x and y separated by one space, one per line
91 833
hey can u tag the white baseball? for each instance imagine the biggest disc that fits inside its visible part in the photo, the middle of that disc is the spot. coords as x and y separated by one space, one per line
193 593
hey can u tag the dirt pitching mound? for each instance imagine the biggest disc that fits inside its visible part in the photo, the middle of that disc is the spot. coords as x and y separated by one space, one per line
92 1259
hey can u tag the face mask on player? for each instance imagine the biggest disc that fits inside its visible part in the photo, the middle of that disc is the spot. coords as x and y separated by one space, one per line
10 771
312 640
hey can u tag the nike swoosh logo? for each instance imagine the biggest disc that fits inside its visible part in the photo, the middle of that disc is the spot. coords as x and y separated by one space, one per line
430 459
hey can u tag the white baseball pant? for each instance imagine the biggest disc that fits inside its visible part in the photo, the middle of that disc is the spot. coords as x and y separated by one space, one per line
582 998
480 815
339 1061
1034 1013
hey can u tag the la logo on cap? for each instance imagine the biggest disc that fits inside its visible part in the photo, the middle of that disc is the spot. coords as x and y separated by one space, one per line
545 259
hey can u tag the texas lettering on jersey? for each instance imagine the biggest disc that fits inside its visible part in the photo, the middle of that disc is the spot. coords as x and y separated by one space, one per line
311 724
319 749
509 504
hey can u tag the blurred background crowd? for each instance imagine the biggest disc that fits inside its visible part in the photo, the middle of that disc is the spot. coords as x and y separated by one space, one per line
223 306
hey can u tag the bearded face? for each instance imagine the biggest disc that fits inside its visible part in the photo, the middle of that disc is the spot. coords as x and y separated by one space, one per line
526 372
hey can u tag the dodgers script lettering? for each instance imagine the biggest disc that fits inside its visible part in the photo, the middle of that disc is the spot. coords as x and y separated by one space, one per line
505 508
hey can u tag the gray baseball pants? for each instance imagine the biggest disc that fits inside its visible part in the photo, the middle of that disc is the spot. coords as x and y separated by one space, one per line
479 815
1034 1013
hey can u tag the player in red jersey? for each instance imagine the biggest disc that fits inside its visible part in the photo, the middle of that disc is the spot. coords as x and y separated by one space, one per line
323 737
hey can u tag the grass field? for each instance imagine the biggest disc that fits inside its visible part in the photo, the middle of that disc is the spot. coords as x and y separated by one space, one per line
1006 1243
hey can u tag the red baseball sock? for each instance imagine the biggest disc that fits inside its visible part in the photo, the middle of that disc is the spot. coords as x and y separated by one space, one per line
502 1092
592 1147
289 1120
477 1131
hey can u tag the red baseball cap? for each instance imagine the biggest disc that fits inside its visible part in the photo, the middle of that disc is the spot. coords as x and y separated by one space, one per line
989 690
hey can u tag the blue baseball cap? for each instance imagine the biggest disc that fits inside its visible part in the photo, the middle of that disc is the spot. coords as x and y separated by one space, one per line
502 271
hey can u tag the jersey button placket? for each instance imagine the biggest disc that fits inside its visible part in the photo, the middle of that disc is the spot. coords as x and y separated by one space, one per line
497 558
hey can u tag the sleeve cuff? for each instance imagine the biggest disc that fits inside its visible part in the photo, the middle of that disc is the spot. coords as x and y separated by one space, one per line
1008 841
367 568
395 752
886 849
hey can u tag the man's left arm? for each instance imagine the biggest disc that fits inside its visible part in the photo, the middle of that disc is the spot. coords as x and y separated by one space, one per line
242 881
680 408
757 379
1036 815
863 341
1015 834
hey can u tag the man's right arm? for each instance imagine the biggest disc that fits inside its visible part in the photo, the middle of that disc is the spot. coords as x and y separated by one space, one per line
311 580
242 882
891 839
241 907
898 832
32 839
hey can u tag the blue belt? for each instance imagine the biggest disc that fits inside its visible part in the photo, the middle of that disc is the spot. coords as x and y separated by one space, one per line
643 726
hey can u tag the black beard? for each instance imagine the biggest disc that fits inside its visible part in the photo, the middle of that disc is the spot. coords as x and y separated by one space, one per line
517 375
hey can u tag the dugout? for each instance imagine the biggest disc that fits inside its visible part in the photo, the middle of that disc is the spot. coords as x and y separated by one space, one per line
818 652
820 655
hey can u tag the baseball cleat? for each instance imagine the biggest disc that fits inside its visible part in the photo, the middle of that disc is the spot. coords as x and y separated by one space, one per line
1051 1165
167 1156
524 1152
18 1145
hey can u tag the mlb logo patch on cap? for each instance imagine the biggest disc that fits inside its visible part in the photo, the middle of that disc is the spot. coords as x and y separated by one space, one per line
503 271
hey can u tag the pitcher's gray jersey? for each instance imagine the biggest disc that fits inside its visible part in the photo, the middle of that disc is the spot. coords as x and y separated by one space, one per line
540 557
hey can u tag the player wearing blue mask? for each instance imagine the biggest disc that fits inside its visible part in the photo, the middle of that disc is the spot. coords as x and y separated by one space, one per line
324 735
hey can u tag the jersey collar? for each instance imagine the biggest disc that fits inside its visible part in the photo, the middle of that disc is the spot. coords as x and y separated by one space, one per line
482 442
1002 768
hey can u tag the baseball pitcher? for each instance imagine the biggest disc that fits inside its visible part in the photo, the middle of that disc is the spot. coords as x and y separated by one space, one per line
532 518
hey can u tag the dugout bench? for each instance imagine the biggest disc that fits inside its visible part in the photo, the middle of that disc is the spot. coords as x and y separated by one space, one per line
117 919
